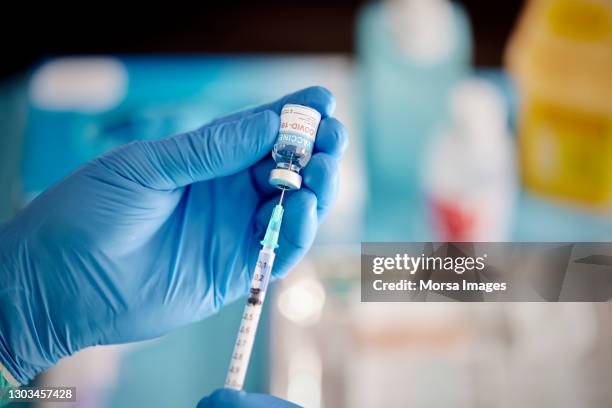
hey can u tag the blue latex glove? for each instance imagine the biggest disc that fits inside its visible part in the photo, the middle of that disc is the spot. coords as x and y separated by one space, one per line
226 398
155 235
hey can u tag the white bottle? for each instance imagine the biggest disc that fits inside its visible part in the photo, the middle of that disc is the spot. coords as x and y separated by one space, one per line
470 172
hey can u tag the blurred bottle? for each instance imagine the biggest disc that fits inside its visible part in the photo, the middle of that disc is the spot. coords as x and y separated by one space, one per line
561 58
411 52
470 175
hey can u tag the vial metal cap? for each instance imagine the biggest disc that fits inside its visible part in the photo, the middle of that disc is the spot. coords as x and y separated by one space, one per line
283 178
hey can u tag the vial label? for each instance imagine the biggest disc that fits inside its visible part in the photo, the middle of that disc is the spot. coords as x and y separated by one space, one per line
298 126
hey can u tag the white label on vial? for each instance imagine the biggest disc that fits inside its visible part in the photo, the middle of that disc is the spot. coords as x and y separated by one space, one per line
298 126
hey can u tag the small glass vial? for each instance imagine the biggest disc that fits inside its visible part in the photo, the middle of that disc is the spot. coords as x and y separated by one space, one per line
293 147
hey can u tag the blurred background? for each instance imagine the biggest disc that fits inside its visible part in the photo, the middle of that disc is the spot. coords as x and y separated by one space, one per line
469 120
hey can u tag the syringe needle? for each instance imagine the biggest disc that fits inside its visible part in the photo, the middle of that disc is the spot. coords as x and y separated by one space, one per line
280 202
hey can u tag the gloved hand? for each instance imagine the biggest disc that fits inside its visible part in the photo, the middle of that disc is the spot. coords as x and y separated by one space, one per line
155 235
226 398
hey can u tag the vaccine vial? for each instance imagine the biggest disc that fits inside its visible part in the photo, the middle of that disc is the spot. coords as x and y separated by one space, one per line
293 147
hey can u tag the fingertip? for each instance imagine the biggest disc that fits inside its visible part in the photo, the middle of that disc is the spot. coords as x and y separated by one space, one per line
301 213
332 137
321 176
222 397
298 230
326 99
317 97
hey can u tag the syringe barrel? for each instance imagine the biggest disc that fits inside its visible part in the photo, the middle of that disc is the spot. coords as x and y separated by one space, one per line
250 320
261 275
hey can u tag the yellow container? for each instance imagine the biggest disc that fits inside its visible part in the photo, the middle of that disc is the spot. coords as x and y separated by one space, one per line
561 58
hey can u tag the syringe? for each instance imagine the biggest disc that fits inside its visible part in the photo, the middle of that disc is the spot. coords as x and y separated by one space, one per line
252 311
291 152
